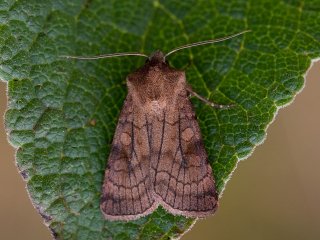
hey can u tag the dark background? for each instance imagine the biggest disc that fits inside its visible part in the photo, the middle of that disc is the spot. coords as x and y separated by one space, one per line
275 194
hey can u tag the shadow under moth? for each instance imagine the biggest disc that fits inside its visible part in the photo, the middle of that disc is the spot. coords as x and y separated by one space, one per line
157 155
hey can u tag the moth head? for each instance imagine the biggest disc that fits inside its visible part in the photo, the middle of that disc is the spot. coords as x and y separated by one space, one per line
157 57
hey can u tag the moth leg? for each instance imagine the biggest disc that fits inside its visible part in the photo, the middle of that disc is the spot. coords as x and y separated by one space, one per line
206 101
187 66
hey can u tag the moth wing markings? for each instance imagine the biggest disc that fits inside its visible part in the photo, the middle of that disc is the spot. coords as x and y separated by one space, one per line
184 182
127 189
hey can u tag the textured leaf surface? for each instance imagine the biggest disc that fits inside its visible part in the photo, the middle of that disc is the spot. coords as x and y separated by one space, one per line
62 114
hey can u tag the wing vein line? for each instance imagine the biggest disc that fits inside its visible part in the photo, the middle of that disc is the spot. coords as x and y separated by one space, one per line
171 176
133 152
180 167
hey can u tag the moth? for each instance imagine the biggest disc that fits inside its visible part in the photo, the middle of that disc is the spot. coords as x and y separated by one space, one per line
157 155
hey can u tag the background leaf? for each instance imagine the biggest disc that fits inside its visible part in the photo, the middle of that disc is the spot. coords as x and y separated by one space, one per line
62 114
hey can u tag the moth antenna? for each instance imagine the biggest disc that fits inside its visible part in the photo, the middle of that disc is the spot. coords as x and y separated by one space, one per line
205 42
107 56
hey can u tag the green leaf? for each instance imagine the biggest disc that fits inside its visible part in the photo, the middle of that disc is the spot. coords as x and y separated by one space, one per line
62 114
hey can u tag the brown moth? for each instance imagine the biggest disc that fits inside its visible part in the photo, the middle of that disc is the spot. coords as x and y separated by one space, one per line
157 155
